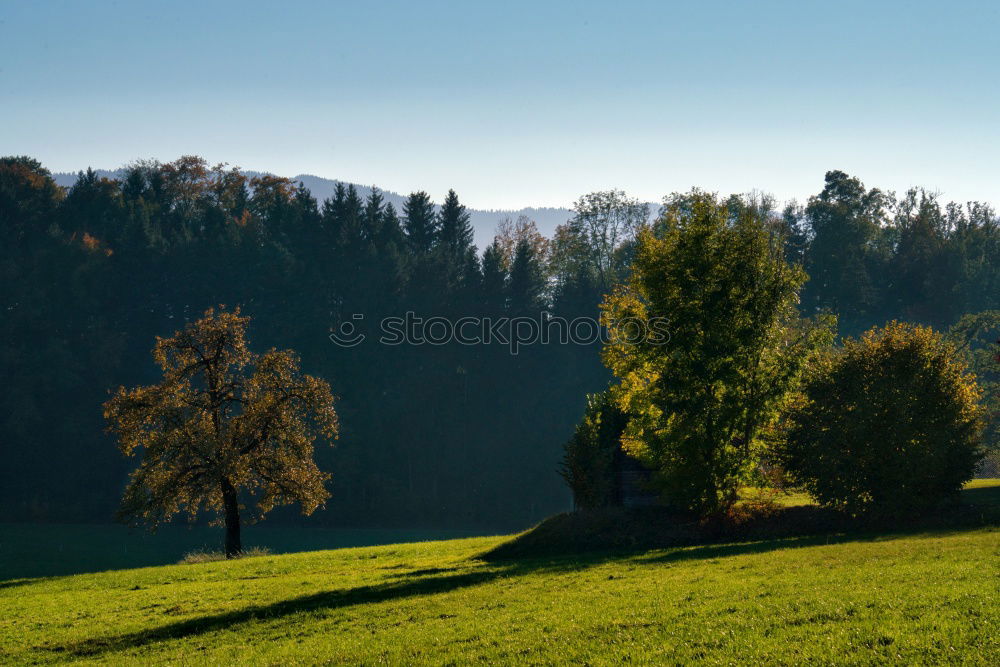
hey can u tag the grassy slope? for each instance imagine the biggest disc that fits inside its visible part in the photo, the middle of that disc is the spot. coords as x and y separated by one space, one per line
924 597
38 550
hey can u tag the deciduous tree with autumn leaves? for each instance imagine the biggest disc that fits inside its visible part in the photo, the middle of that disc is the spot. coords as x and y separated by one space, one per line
223 423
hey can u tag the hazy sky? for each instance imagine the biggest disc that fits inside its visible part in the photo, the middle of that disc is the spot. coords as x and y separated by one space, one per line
516 104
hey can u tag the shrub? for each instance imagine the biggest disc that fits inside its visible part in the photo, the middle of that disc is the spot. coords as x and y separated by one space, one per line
890 425
589 461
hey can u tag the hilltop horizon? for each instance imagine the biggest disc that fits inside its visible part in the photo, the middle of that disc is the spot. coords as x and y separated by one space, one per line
484 220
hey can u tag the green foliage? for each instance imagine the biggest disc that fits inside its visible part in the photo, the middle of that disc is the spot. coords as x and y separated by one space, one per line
846 257
88 277
28 199
590 457
455 235
889 426
459 264
420 223
701 398
494 279
117 261
872 256
978 337
526 282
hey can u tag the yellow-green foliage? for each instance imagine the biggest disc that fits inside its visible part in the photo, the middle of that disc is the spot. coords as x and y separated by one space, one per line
891 424
713 272
923 598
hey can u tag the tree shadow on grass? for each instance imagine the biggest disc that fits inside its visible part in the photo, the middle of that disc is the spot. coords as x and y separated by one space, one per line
982 496
14 583
575 542
333 599
711 551
627 532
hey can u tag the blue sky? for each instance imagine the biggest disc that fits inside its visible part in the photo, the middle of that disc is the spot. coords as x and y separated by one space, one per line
516 103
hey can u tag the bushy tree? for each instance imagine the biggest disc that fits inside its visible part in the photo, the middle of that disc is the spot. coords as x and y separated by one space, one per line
889 425
222 420
715 275
588 464
510 233
605 225
978 337
847 250
28 198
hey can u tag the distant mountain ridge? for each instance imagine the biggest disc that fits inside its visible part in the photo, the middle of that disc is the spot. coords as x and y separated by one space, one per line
484 221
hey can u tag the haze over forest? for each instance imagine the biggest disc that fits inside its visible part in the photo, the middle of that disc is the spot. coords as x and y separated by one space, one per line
484 222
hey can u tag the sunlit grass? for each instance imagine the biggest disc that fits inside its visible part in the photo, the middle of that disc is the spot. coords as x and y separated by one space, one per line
782 498
796 498
929 597
202 556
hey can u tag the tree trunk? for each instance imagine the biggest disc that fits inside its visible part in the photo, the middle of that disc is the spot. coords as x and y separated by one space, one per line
230 502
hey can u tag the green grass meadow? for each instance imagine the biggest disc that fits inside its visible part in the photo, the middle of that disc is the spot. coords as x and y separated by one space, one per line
37 550
907 597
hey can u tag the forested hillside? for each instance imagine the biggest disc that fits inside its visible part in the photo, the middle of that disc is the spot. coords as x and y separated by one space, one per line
483 222
445 435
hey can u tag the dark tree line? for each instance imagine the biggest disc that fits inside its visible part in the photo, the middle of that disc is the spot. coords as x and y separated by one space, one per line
872 256
431 434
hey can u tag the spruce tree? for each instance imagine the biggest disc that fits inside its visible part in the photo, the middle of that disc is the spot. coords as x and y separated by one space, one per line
526 286
494 281
420 223
333 215
390 231
354 217
455 229
372 217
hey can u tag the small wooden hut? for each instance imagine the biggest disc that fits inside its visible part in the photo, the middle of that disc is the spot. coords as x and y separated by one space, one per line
632 488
